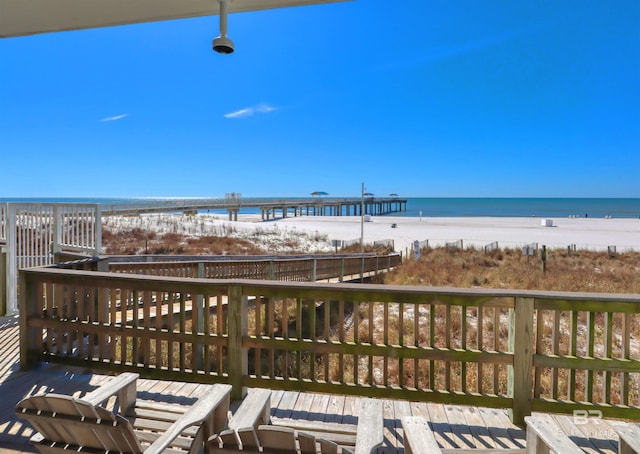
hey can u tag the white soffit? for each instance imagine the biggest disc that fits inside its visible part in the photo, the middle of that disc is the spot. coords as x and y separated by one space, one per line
29 17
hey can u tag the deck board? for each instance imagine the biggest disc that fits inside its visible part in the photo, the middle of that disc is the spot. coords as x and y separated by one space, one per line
454 426
500 434
335 409
302 406
285 405
479 431
459 429
350 410
393 428
440 425
575 435
319 407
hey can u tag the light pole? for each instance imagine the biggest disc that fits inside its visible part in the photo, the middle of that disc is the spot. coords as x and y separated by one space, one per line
362 221
362 234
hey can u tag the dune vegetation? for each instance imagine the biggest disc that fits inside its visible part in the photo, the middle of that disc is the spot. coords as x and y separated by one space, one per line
578 271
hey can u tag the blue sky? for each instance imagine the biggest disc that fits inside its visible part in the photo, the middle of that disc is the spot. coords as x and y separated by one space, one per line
435 98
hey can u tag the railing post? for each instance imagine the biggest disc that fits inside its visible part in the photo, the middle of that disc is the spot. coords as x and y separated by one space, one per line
237 326
3 280
12 260
520 373
342 269
200 307
57 230
28 308
97 231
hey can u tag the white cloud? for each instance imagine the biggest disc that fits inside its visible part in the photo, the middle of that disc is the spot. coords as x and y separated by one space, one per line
114 118
250 111
240 113
264 108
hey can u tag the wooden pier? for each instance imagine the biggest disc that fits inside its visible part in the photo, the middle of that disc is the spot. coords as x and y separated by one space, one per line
269 208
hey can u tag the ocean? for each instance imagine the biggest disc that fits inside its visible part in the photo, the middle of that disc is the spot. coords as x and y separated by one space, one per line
522 207
448 207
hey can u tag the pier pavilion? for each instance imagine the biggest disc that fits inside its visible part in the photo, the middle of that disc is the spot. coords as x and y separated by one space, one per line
334 207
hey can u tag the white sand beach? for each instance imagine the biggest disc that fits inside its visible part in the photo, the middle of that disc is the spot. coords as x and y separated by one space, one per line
315 233
585 233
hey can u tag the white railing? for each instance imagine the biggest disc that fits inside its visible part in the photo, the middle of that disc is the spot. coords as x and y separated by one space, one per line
34 232
3 223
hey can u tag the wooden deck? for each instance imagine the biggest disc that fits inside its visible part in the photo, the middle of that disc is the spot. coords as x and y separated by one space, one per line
456 427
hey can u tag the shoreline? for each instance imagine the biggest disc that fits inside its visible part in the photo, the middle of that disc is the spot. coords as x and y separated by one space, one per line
315 233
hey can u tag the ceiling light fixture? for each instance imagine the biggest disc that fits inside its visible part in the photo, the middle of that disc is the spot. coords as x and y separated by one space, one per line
222 44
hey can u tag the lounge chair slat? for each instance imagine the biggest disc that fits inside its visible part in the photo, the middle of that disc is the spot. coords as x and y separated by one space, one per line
277 438
248 437
307 443
328 447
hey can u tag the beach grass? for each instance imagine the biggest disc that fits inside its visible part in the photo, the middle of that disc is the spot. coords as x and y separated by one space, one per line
575 271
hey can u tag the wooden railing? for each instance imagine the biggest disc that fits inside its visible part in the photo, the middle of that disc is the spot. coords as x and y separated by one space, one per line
522 350
298 268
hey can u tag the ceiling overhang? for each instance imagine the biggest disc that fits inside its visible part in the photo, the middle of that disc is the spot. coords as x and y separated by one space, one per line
30 17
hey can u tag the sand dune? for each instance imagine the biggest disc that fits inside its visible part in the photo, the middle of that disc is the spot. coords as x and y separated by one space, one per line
314 233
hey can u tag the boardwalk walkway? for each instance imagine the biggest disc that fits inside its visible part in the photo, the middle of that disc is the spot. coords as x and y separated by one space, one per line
455 427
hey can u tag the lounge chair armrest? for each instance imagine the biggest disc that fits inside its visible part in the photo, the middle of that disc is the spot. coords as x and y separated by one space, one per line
254 410
124 385
197 414
370 431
